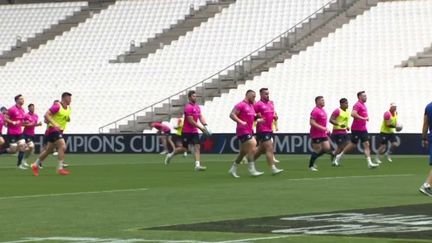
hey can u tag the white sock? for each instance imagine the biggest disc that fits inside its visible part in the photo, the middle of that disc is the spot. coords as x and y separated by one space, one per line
369 160
426 185
60 164
235 165
197 163
251 165
340 154
38 162
273 167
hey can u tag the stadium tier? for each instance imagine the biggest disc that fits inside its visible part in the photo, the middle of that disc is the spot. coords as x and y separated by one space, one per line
359 56
26 20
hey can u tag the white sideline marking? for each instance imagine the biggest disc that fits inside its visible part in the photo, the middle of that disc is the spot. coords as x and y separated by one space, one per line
108 240
254 239
347 177
72 193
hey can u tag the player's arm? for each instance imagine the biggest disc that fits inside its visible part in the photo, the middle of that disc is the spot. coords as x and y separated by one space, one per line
425 141
234 116
193 123
313 123
355 115
202 120
8 120
49 118
333 120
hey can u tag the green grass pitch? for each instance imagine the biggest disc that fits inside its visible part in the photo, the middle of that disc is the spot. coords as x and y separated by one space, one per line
118 196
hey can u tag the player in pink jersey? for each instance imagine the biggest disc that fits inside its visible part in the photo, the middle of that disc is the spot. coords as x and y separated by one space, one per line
264 109
359 131
15 120
387 134
165 136
31 121
57 117
319 132
244 115
3 111
192 114
340 119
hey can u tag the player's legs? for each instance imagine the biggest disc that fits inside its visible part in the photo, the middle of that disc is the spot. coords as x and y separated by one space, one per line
367 151
42 156
316 153
2 141
426 187
22 146
163 141
197 155
248 150
267 148
171 143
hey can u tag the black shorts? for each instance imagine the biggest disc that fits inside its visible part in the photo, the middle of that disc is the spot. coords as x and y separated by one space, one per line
53 137
14 138
245 138
264 137
386 137
357 136
319 140
339 139
29 138
190 138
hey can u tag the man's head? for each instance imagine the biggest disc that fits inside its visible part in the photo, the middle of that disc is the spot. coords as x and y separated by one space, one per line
3 110
264 94
66 98
343 103
250 96
362 96
319 101
393 107
31 108
19 100
192 96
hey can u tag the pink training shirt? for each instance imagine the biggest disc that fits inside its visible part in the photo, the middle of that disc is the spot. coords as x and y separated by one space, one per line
335 114
191 110
161 127
359 124
32 120
320 116
54 109
267 111
2 121
247 114
15 114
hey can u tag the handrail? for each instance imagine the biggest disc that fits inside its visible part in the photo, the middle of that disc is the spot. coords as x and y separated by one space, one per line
169 98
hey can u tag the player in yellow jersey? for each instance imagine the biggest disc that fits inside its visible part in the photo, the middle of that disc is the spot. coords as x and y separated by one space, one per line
57 118
339 119
387 133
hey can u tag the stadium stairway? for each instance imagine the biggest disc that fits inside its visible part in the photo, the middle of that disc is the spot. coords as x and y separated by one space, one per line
194 19
93 7
421 59
293 41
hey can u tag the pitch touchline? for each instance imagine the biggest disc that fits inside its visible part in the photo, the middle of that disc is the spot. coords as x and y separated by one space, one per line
73 193
347 177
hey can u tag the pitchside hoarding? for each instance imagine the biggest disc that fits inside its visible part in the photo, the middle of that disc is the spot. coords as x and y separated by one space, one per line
298 143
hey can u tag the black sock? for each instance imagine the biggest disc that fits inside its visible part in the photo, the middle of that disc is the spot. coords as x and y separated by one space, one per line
20 158
314 156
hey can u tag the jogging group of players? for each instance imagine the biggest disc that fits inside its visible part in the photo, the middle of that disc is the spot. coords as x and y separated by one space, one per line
246 114
21 132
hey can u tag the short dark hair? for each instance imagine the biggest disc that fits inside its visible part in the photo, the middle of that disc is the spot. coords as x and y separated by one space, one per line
249 91
3 108
30 105
360 93
190 93
343 100
263 89
56 101
17 97
318 98
66 94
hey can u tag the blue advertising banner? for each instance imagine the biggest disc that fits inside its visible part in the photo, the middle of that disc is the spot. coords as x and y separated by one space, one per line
298 143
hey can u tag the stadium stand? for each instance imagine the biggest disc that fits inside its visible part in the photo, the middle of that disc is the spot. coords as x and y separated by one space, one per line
358 56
